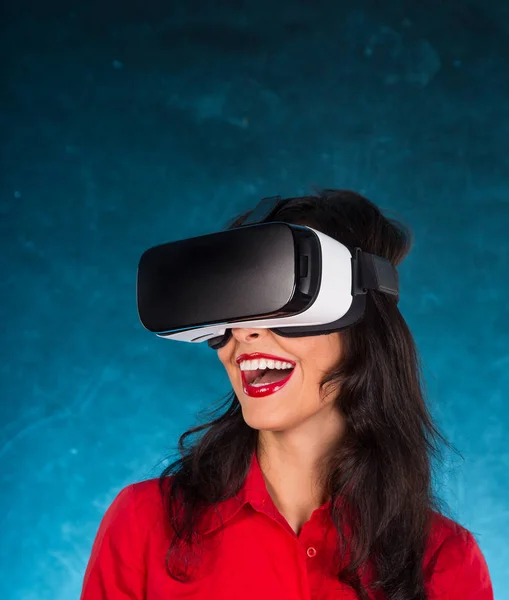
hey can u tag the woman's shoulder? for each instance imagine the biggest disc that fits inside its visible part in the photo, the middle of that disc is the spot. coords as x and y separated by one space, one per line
137 510
148 489
138 505
443 527
144 496
133 524
446 531
453 557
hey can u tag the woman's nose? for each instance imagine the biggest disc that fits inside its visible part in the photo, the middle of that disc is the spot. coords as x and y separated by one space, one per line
245 334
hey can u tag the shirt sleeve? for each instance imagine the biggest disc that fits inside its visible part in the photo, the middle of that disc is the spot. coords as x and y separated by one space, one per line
460 571
115 570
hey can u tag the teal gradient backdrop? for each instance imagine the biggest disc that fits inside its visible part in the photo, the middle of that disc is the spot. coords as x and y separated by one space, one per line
129 124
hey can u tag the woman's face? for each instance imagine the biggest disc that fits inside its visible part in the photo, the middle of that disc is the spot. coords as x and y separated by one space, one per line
269 406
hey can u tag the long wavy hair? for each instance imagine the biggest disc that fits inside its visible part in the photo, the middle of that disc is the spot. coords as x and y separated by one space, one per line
383 465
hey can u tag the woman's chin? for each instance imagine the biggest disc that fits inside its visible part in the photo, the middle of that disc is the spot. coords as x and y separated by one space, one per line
264 421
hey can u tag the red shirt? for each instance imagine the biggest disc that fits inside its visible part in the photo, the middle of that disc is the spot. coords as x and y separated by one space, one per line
257 555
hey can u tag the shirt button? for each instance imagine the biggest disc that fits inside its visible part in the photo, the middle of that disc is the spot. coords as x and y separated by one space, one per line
311 552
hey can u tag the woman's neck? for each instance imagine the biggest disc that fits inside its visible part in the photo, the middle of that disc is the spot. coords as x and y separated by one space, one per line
292 463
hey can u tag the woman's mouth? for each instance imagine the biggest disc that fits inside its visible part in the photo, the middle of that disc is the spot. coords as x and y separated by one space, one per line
264 374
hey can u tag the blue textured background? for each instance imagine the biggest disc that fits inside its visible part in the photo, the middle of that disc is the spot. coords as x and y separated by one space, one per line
124 125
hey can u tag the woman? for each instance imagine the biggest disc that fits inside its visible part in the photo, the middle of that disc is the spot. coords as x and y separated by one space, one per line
320 490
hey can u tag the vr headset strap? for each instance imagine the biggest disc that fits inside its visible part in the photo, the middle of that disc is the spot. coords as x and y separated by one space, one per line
372 272
263 210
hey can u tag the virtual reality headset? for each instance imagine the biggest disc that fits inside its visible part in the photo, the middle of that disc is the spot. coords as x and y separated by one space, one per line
292 279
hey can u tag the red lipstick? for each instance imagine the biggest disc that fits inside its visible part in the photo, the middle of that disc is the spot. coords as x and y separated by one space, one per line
260 391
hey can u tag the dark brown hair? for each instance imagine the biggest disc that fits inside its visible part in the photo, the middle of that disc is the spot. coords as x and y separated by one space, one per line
383 464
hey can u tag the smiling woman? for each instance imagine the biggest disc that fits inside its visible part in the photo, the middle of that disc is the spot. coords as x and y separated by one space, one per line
313 481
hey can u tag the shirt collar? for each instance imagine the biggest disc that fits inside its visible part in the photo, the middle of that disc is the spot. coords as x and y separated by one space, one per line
253 492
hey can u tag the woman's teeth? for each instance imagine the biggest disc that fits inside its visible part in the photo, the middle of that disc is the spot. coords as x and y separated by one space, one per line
263 371
263 363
